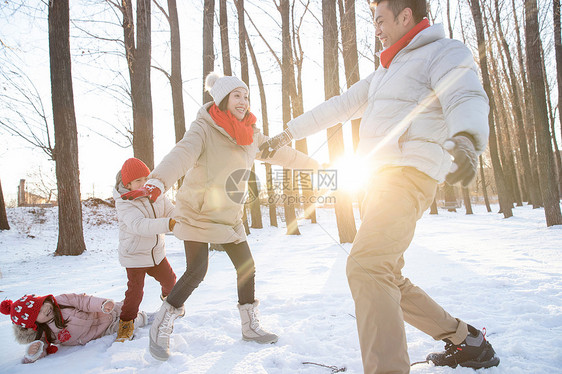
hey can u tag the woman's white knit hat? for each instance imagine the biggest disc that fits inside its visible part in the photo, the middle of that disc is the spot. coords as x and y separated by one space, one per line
219 86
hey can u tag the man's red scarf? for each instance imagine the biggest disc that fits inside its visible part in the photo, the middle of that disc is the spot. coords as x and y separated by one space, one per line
388 54
242 131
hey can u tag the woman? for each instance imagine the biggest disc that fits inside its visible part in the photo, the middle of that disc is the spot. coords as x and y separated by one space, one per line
220 147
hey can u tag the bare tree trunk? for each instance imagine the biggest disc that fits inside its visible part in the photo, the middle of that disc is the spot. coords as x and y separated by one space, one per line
350 55
297 106
558 54
269 181
71 236
557 159
175 77
530 183
4 225
208 52
466 199
449 23
286 68
433 209
344 208
505 204
503 138
223 23
484 190
378 44
138 58
556 154
534 67
536 199
242 42
255 210
450 197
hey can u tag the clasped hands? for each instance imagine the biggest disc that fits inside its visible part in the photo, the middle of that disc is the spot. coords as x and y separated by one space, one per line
148 190
273 144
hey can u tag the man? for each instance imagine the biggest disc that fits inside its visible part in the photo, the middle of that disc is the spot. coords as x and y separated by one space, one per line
422 105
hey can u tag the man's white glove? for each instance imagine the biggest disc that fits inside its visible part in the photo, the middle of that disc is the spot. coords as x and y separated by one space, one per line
465 159
271 146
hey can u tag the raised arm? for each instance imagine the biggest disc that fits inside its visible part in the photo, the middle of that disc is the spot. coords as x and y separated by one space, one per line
83 302
287 157
181 158
347 106
174 165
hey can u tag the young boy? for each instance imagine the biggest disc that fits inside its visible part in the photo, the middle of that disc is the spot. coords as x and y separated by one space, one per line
142 226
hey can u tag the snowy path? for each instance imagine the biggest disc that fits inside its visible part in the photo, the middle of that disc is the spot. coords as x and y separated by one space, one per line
505 275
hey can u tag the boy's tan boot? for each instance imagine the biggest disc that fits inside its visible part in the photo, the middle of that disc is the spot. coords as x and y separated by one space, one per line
126 330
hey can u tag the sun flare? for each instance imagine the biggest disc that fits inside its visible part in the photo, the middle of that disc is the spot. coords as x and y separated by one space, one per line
352 173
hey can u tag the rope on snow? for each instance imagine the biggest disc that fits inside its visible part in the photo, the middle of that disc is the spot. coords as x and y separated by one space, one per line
334 368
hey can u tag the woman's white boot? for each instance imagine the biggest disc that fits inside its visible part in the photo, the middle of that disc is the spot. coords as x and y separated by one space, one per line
251 329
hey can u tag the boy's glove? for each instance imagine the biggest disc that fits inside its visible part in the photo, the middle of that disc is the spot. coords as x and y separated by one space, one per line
465 160
271 146
149 190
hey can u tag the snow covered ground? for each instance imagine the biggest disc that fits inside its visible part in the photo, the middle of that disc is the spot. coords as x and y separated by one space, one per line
501 274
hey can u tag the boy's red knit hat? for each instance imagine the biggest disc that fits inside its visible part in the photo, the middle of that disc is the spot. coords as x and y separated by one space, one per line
24 311
133 169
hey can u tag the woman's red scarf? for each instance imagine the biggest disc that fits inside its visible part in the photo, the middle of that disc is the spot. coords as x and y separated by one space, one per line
242 131
388 54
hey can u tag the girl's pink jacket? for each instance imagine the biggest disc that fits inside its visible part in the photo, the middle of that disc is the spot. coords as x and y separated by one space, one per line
86 320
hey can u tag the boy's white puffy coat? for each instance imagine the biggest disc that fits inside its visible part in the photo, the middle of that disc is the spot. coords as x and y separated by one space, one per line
142 226
430 92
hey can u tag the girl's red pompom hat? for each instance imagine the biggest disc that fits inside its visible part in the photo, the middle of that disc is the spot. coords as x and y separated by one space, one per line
24 311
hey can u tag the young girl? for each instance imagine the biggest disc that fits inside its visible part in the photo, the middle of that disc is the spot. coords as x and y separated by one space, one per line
220 146
142 226
68 319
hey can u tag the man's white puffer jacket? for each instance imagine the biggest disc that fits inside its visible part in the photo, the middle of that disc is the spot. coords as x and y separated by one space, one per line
430 92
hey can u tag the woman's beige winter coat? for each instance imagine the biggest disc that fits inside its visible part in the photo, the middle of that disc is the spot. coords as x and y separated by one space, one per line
208 204
430 92
142 227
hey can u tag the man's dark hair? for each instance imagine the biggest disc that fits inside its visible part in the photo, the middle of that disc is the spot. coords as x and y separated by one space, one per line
418 7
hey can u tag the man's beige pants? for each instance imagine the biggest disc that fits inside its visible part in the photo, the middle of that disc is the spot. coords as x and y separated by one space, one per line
384 299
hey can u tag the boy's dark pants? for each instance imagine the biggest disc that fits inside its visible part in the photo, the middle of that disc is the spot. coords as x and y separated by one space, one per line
162 272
